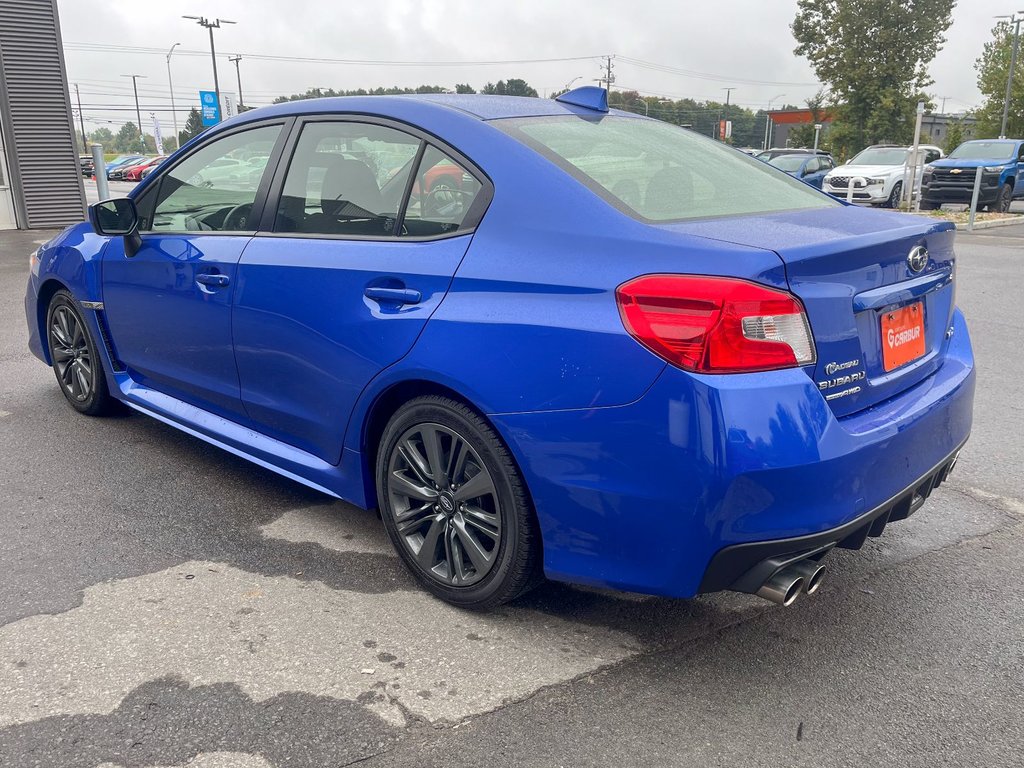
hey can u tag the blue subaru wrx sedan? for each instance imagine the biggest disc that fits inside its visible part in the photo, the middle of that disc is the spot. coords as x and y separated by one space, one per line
541 337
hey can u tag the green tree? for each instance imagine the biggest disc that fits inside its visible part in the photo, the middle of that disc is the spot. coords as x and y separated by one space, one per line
803 135
993 67
128 139
170 144
464 88
193 126
954 135
511 87
102 136
873 55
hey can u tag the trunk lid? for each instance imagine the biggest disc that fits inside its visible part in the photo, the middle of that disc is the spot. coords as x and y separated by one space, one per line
850 267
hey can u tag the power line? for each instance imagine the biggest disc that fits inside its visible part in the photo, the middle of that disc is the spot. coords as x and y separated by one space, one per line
707 75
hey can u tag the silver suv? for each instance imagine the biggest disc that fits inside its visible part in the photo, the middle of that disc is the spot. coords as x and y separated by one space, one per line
877 173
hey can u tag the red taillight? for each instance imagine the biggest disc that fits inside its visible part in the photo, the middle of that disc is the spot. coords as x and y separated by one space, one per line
716 324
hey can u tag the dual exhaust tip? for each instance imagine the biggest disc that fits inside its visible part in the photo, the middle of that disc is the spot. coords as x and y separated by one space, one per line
785 586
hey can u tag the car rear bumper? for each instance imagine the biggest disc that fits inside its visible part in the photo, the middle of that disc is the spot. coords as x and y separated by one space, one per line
645 497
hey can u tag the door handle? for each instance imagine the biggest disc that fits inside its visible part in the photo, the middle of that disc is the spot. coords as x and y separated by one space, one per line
394 295
215 279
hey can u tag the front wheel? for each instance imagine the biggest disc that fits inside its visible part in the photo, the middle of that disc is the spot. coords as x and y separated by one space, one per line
894 196
1005 198
76 360
455 506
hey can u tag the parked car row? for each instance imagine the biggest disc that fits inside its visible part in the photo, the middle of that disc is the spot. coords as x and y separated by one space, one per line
877 175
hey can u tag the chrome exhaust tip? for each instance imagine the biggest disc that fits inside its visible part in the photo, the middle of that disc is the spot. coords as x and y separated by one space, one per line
812 573
782 588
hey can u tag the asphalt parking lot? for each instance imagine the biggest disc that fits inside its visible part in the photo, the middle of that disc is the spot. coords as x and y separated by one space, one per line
166 604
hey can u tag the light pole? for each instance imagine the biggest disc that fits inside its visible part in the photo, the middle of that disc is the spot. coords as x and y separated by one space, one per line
569 84
212 25
138 112
647 107
170 87
768 119
238 73
1015 21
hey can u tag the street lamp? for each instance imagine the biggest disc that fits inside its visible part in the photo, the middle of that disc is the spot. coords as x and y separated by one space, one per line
647 107
170 86
138 112
1015 21
569 84
212 25
768 118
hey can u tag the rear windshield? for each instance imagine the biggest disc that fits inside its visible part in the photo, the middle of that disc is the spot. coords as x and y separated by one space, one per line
657 172
985 150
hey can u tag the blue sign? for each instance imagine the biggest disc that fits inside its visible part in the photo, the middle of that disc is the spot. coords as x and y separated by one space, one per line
211 109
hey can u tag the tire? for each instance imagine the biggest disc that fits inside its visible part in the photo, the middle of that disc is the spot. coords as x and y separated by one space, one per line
894 196
76 361
474 551
1002 204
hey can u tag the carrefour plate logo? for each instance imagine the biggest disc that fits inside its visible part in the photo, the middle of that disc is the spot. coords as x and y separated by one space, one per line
917 260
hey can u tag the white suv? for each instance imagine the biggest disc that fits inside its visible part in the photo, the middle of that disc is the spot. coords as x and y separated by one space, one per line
877 173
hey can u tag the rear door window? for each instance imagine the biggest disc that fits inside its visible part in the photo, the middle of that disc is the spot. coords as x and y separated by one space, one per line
443 195
346 179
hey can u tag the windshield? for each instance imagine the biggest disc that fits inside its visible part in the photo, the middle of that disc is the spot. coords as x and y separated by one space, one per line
659 172
789 163
985 150
881 156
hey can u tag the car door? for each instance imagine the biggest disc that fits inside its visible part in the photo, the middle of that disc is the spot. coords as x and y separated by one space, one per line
168 306
358 252
813 173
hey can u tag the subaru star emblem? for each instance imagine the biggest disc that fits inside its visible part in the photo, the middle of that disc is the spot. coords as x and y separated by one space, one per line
917 260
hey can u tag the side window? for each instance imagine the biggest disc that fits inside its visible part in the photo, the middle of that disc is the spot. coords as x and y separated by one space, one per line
931 156
1020 153
214 188
826 163
442 195
346 178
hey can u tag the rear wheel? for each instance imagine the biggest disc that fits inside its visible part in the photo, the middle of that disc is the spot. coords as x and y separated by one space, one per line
455 506
76 361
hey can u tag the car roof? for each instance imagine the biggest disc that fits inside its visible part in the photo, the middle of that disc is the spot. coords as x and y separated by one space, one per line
480 106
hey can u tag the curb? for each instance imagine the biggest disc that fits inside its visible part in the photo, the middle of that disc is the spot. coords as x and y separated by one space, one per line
962 226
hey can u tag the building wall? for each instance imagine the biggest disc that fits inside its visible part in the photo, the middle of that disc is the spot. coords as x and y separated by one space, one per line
39 135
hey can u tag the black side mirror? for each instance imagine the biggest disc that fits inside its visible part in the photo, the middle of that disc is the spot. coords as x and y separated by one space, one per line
117 217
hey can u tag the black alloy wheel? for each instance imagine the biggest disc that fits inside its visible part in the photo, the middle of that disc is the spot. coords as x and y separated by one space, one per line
76 362
454 505
894 196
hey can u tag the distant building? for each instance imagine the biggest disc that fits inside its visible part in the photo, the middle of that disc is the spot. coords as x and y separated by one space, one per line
935 128
782 121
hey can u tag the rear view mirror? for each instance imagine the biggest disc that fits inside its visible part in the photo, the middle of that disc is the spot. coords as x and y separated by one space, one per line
117 217
114 217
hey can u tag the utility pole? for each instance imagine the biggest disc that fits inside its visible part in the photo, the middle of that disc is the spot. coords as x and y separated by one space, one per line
1015 21
81 120
212 25
170 86
138 112
728 92
238 73
608 78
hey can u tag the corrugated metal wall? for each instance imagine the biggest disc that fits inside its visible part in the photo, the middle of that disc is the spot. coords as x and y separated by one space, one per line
40 139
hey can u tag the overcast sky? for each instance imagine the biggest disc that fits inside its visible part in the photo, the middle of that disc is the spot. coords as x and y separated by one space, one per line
742 43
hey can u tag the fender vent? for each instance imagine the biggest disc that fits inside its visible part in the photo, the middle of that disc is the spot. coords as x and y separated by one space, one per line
101 321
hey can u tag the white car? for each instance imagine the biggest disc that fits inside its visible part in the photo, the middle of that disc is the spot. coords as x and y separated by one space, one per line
877 173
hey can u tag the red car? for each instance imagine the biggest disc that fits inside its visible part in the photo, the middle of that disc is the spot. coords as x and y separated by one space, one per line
135 172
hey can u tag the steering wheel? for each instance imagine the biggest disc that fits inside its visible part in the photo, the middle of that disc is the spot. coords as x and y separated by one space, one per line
439 198
237 218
